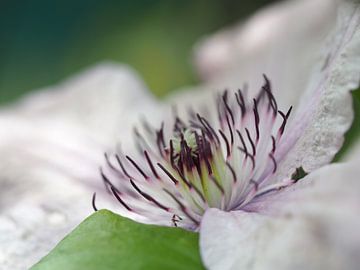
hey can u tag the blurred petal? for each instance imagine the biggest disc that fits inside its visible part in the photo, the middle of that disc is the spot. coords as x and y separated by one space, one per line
316 229
312 64
53 137
281 41
77 121
104 100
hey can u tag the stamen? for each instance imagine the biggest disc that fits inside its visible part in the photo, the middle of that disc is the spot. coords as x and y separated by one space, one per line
152 168
242 142
168 174
208 127
122 166
257 120
231 131
147 196
106 181
93 202
273 144
232 171
251 142
204 169
228 108
240 100
117 196
109 163
285 118
137 167
274 162
228 151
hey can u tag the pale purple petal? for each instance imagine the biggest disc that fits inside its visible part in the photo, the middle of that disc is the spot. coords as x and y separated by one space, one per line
315 133
317 228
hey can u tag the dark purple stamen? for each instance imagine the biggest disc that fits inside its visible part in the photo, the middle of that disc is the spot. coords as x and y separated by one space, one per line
208 128
273 144
231 169
242 142
168 173
251 142
230 131
106 181
117 196
274 162
240 100
147 196
122 166
248 155
137 167
228 151
227 107
285 118
152 168
257 119
93 202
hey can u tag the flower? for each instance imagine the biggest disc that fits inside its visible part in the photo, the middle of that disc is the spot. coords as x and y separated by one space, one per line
202 165
307 225
45 136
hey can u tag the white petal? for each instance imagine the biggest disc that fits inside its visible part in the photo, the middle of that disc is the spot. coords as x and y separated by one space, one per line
38 215
316 131
51 143
106 100
77 121
279 41
316 229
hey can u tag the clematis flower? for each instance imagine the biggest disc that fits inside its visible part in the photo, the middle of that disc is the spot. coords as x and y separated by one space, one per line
54 141
224 166
241 180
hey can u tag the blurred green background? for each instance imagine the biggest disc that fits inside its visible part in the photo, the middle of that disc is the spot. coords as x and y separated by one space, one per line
44 41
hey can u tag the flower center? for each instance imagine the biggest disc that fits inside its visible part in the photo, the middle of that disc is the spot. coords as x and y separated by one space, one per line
186 139
226 164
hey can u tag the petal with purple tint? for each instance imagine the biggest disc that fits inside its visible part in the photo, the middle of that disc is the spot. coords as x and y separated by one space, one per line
316 228
316 131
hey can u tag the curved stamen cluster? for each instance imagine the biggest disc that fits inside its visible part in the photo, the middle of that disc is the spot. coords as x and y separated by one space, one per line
202 165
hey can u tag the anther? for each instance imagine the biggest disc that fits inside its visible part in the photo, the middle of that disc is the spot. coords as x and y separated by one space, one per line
93 202
137 167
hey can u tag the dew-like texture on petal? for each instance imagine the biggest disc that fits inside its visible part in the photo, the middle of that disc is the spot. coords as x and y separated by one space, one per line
45 206
51 143
317 229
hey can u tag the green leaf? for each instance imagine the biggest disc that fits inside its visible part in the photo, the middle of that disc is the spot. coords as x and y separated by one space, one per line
299 174
108 241
353 134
